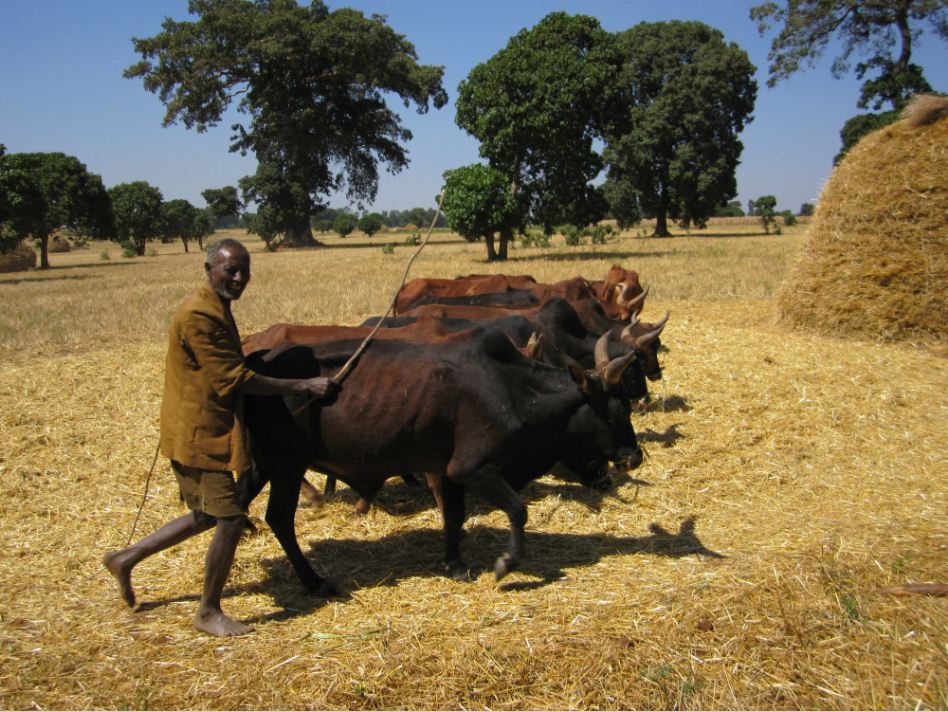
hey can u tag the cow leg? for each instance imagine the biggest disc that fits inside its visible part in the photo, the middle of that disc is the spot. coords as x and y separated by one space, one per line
495 490
452 510
281 516
435 484
330 488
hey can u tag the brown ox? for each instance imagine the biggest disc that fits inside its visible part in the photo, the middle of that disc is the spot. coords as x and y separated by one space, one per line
620 293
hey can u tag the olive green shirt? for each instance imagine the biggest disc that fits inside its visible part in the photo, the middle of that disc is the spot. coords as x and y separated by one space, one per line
202 408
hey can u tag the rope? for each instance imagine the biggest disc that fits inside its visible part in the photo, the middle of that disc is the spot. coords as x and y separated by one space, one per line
138 514
343 372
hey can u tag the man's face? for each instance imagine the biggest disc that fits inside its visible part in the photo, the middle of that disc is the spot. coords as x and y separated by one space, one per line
230 272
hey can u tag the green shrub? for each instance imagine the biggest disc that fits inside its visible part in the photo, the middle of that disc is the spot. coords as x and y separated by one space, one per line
128 252
152 252
388 248
572 234
600 234
104 256
412 240
534 238
790 219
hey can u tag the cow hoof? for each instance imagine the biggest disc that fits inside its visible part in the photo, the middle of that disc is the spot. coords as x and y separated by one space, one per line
323 589
503 566
457 571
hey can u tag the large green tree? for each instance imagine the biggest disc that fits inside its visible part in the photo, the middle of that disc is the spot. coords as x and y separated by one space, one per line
223 203
313 85
537 107
881 32
138 216
478 203
689 95
868 28
47 191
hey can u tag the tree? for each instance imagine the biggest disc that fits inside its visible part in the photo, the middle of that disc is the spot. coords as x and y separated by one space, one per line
344 224
370 223
731 210
689 95
860 125
179 219
764 207
138 216
223 203
537 106
870 28
478 203
48 191
20 201
263 224
806 210
313 84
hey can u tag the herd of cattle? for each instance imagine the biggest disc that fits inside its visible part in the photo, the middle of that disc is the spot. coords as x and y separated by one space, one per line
481 383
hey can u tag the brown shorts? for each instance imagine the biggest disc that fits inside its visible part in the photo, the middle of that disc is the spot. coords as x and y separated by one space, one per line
213 492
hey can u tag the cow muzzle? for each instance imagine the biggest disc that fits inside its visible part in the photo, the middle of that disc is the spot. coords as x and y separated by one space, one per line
629 460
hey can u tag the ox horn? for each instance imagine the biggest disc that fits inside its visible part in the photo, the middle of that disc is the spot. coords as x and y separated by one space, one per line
634 305
645 340
627 331
534 348
613 370
601 352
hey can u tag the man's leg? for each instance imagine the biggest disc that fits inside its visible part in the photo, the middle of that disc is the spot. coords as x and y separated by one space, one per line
121 563
220 557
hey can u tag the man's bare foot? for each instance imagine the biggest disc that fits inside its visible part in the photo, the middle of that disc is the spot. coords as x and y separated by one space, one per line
122 574
215 622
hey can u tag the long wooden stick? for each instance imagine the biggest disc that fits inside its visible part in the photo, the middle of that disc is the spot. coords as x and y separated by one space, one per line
350 364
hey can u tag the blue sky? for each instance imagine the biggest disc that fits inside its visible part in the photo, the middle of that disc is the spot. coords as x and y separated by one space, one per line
61 65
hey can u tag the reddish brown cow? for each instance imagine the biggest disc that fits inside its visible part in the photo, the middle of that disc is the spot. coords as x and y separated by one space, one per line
620 293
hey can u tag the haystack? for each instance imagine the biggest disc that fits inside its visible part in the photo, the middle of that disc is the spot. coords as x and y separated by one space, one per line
875 260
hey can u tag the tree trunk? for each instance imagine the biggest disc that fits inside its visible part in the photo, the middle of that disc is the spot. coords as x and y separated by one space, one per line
491 254
300 235
661 215
139 246
505 236
44 251
185 241
201 243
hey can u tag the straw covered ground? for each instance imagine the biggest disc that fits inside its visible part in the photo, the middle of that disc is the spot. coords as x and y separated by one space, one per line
790 480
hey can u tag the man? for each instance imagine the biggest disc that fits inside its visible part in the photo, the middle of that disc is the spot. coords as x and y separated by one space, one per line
202 430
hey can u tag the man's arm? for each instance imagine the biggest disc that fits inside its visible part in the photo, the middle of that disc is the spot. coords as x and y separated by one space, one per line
318 387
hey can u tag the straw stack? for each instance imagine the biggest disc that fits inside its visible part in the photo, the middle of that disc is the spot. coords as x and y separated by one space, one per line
875 262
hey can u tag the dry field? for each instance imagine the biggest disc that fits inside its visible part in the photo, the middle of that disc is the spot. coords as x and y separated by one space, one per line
790 480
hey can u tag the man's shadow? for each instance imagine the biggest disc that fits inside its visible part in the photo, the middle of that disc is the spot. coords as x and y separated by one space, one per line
354 564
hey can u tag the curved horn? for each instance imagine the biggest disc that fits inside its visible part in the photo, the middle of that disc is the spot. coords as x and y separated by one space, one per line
627 331
636 303
661 322
535 346
613 370
645 340
601 352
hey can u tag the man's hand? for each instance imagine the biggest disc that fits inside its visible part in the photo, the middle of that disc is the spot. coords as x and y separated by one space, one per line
319 387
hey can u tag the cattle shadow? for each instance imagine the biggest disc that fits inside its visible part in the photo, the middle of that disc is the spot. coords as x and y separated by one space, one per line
398 499
670 404
667 439
354 564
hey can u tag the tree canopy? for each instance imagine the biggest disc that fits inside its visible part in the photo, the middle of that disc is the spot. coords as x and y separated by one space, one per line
688 96
537 107
478 203
222 202
43 192
868 28
181 220
138 215
313 85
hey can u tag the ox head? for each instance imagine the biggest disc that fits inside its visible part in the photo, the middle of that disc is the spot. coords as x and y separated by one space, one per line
643 338
601 430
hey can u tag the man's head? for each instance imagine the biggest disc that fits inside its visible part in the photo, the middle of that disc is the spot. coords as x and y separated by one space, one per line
227 264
